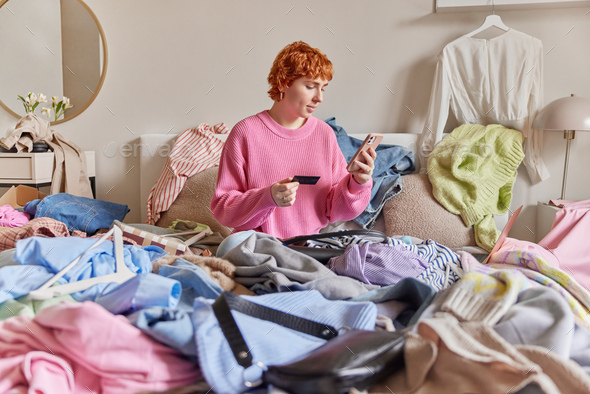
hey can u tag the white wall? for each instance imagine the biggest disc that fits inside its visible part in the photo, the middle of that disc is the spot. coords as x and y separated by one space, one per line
31 30
175 64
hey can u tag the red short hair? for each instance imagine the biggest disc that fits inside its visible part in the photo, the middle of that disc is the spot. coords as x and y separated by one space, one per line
294 61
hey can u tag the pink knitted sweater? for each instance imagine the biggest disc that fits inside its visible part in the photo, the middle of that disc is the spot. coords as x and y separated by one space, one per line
258 153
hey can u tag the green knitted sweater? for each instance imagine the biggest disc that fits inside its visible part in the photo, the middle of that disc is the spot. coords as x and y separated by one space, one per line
472 172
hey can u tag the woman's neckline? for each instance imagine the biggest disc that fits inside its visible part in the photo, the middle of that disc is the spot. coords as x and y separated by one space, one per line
285 132
268 111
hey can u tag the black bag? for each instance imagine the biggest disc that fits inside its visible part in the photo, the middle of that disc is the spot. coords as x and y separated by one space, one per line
323 255
356 358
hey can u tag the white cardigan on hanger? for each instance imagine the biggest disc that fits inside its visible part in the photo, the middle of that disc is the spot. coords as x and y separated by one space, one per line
487 81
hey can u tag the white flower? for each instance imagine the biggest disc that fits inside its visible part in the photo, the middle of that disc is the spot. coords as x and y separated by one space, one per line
46 111
58 107
66 103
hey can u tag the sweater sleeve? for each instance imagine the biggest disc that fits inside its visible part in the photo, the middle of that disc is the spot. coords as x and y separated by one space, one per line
233 204
437 114
533 144
347 199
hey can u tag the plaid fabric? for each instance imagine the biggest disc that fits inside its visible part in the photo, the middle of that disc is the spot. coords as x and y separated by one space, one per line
45 227
38 227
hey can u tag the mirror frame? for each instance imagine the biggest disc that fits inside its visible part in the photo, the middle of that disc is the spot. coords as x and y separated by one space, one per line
102 77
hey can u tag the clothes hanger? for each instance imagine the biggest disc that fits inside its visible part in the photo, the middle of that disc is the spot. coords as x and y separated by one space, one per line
198 235
492 20
122 273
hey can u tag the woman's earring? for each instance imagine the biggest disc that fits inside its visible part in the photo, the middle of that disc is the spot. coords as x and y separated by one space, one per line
281 96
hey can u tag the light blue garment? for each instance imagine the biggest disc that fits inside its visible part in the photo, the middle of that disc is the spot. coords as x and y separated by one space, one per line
172 327
18 280
41 258
269 342
194 281
78 213
541 317
6 257
392 161
141 291
231 241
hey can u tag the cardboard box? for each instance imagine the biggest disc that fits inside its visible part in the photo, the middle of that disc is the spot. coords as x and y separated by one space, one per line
18 196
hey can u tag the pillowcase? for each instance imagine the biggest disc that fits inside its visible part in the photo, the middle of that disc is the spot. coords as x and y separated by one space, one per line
415 212
193 203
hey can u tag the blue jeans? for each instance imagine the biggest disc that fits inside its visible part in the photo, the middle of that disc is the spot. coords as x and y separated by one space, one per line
392 161
78 213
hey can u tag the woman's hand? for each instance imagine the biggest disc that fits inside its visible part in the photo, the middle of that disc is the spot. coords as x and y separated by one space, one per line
363 174
284 192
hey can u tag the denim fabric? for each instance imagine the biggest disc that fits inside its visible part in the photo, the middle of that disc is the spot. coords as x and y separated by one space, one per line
392 161
78 213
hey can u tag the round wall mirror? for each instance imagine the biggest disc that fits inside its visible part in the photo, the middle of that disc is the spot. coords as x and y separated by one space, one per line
54 47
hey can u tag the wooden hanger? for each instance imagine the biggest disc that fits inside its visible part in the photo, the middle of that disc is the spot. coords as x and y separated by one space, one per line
490 21
122 274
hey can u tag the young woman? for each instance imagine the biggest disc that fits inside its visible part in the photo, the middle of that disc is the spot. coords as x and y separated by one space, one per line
265 151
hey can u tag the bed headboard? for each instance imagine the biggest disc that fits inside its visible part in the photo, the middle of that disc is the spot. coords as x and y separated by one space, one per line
155 148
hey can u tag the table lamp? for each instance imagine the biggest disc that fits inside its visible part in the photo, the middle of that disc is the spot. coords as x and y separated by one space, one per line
568 114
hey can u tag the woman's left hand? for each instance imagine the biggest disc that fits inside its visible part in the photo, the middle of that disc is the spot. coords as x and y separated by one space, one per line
365 170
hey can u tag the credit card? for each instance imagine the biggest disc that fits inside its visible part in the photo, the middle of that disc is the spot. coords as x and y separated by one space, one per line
306 180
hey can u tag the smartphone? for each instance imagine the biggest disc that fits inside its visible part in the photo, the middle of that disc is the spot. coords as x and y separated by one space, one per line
372 140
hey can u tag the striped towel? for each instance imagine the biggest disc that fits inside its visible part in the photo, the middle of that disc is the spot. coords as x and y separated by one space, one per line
195 150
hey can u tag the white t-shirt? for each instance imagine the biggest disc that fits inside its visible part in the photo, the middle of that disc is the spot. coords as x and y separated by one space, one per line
489 81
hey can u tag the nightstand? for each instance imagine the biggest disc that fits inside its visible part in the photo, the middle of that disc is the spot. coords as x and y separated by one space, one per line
36 169
545 217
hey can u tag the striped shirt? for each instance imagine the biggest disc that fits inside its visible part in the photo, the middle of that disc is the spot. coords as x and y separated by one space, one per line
377 263
444 265
195 150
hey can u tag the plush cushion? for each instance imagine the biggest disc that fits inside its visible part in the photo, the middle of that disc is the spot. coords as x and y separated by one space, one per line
416 212
193 202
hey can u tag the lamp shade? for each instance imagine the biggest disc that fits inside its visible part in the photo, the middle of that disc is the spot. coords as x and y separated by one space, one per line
566 113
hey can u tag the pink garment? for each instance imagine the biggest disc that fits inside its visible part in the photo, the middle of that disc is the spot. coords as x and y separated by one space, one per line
511 244
568 240
195 150
258 153
10 217
81 347
570 203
